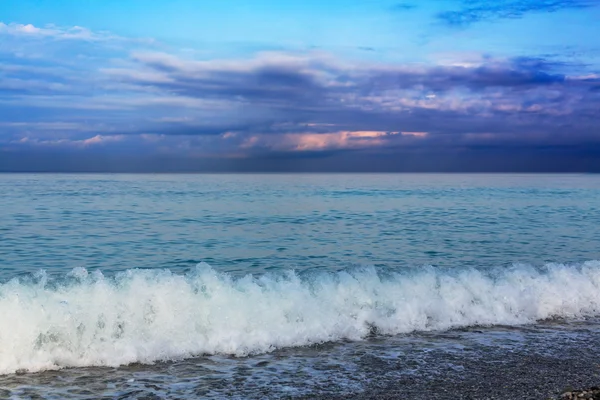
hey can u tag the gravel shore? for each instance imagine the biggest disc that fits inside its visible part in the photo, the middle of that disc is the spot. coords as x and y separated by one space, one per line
562 366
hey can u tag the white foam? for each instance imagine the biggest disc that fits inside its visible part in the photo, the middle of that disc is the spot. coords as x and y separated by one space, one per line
145 316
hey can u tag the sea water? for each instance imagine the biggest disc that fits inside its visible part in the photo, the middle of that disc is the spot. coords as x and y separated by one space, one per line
195 281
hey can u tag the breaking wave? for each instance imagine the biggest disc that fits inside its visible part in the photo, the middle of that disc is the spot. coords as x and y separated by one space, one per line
88 319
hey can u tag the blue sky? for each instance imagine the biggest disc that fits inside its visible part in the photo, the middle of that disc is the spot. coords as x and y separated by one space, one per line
182 85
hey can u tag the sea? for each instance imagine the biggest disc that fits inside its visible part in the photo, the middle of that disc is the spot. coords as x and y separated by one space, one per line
286 285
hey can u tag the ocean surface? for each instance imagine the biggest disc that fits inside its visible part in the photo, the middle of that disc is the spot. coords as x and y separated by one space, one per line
275 285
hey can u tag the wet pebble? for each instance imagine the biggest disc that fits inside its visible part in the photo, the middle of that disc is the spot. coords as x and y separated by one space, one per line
591 393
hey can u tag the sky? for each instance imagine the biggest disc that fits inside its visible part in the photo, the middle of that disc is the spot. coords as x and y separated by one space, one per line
300 86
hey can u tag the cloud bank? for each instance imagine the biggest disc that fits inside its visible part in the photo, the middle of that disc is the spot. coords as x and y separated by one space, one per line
136 108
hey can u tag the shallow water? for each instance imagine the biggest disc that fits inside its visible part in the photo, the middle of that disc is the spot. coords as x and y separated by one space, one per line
283 285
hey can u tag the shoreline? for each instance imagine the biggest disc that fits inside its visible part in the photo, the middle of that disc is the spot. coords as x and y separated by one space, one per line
502 363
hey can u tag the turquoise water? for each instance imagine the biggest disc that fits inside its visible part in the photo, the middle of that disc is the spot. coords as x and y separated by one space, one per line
102 276
256 223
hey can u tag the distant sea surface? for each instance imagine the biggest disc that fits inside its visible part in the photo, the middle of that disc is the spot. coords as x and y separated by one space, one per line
279 285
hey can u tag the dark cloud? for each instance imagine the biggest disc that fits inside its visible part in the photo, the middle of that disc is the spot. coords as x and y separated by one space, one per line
312 94
403 7
306 83
473 11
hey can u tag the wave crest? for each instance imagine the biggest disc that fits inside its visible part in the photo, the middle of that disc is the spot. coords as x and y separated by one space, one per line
87 319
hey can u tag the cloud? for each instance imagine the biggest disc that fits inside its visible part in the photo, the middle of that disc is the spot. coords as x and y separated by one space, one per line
314 80
92 141
298 105
61 126
313 102
303 142
474 11
51 31
285 101
309 84
403 7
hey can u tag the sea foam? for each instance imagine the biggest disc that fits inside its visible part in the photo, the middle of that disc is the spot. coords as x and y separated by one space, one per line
88 319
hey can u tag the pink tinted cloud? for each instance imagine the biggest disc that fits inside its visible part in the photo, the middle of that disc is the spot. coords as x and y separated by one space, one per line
298 142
